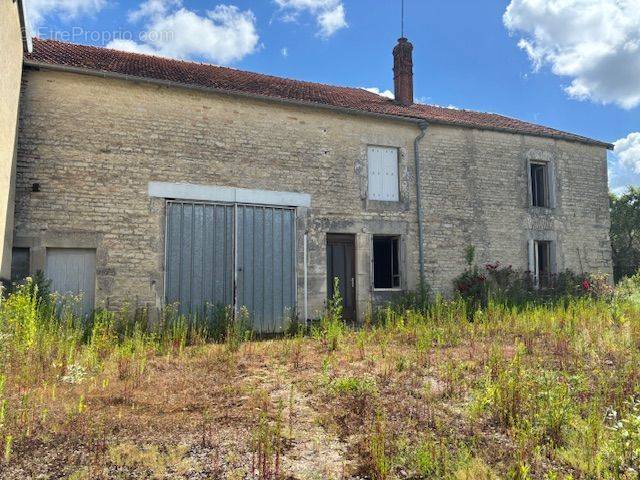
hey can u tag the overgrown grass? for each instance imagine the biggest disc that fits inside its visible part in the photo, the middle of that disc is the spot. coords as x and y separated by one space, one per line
444 391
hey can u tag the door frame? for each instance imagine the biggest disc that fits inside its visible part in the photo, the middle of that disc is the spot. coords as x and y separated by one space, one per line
349 238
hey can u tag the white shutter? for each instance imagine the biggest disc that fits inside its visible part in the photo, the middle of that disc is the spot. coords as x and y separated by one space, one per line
383 174
532 256
533 262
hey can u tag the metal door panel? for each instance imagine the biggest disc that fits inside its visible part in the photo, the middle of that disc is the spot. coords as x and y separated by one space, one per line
266 269
199 256
201 265
73 272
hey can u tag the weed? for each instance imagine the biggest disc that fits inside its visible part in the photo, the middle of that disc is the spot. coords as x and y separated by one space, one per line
381 465
332 326
267 448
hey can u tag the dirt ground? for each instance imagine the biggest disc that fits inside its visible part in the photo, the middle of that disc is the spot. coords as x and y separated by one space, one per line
283 408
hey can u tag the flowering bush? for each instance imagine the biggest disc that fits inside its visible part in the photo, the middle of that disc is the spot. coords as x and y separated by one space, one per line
506 284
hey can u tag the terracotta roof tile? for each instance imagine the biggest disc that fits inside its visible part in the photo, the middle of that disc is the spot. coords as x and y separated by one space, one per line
99 59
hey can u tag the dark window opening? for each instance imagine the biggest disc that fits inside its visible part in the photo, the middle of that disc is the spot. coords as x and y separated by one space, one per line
386 262
540 185
543 263
19 264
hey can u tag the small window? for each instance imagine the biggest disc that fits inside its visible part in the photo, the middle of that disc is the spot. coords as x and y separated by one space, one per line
540 185
383 174
19 264
386 262
542 263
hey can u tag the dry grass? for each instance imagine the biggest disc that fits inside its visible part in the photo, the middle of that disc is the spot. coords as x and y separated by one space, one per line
505 394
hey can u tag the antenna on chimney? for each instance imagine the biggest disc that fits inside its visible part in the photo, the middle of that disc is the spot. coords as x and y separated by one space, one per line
402 19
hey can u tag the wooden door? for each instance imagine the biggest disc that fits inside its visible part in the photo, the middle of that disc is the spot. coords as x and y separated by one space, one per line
341 265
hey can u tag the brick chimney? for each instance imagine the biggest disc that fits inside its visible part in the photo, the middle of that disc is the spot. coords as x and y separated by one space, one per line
403 72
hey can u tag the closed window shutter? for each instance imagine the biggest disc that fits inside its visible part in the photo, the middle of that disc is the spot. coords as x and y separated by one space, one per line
383 174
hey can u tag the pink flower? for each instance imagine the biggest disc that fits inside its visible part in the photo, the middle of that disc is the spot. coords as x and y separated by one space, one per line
585 284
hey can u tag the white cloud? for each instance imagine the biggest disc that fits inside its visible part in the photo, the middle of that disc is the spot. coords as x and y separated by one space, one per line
69 9
595 43
377 91
331 21
225 34
627 151
330 14
619 190
284 52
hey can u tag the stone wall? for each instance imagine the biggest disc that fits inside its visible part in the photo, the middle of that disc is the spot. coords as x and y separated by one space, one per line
476 191
94 152
11 68
93 144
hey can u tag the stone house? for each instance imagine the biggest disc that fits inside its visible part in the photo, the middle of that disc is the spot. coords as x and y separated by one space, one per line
156 181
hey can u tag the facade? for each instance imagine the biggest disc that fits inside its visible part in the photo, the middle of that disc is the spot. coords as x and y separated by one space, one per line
11 53
153 181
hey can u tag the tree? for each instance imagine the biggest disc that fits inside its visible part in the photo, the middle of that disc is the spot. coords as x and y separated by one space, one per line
625 232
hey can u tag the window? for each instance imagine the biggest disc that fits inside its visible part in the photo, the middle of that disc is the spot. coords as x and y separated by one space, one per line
19 264
539 173
383 174
542 264
386 262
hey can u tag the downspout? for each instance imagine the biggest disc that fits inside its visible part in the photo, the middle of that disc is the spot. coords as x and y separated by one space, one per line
423 125
306 285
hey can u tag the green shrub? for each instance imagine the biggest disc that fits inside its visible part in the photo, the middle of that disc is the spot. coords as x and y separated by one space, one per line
494 282
629 289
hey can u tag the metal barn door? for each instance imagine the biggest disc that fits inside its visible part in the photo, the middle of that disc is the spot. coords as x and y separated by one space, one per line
213 248
266 265
199 256
73 272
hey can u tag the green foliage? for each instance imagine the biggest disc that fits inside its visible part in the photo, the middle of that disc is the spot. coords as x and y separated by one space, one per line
332 326
625 233
432 459
354 386
540 376
267 446
623 452
381 462
418 301
629 289
494 282
537 403
238 330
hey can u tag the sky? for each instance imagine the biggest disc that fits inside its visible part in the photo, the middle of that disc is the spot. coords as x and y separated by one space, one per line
569 64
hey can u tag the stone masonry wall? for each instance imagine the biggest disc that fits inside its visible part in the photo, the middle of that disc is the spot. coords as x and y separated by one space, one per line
93 144
476 191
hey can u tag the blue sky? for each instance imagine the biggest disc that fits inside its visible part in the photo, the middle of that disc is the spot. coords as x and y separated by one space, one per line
569 64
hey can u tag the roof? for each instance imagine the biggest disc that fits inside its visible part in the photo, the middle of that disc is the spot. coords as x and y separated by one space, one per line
107 61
